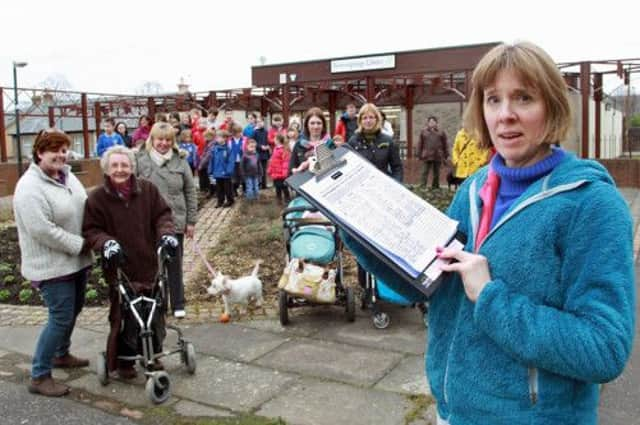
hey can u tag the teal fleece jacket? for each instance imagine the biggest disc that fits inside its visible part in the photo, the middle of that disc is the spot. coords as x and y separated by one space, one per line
556 319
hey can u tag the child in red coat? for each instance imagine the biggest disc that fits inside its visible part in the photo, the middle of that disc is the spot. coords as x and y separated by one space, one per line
279 168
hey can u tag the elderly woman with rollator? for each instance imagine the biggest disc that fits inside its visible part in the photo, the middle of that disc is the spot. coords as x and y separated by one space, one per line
127 219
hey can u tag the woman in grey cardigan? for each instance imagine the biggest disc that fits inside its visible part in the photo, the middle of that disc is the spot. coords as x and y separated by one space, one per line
166 166
48 206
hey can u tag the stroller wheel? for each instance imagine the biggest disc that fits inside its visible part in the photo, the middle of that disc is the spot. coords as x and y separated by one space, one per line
189 357
381 320
350 304
101 368
283 307
158 387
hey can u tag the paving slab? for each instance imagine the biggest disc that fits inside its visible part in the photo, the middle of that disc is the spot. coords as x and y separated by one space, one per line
406 333
306 321
232 385
407 378
273 326
189 408
22 339
329 403
326 359
20 407
58 374
131 393
232 342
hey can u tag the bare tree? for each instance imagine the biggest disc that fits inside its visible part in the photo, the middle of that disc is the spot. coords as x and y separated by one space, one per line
149 88
57 85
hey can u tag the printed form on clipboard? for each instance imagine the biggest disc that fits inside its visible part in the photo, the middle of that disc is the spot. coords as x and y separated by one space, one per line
390 217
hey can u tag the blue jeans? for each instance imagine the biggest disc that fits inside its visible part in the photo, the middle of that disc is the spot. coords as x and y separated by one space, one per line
252 184
65 300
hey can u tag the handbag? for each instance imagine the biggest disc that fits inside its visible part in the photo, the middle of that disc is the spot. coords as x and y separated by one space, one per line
309 281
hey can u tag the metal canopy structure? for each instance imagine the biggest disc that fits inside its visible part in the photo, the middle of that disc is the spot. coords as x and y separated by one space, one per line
387 79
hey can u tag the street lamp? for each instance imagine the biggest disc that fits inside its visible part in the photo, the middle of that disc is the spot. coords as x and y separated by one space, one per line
17 65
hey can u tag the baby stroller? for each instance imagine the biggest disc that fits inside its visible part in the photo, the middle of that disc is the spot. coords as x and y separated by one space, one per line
377 290
310 237
143 329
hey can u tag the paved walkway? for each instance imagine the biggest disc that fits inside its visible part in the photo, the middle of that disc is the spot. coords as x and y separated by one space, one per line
319 370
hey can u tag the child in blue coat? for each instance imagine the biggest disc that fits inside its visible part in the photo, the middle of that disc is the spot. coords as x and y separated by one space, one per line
186 144
221 166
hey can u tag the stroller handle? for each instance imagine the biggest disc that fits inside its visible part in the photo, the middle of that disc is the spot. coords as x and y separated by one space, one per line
290 210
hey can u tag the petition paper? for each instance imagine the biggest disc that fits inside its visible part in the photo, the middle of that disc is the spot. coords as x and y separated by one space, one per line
386 214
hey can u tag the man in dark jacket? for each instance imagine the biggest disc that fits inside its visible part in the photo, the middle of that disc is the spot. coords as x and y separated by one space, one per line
433 151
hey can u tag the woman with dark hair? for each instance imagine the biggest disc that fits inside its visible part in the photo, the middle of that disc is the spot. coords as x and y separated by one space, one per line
315 132
141 134
48 206
121 129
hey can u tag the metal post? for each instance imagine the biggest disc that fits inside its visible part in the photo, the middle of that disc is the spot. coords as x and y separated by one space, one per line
332 111
52 118
97 114
85 124
285 105
3 134
597 97
585 92
409 105
626 123
371 89
15 99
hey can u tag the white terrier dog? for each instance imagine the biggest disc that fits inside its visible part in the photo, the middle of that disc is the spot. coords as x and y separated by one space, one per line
237 291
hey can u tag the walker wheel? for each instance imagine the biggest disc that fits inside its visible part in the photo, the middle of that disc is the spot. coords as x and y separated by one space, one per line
283 307
189 357
101 368
381 320
158 387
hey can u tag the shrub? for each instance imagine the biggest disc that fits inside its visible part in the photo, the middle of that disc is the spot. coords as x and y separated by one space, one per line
5 268
91 295
4 294
9 279
25 295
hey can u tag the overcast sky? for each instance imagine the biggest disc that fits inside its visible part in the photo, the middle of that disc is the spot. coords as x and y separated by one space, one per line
118 45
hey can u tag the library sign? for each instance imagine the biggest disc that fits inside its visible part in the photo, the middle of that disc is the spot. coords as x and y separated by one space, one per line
363 64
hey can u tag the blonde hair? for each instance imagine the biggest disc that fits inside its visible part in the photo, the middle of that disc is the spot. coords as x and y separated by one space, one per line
161 130
117 149
536 70
366 109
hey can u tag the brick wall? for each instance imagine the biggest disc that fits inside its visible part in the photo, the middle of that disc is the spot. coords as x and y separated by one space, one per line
87 170
625 171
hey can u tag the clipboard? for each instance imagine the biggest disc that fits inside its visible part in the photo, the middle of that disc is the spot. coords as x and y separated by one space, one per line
326 169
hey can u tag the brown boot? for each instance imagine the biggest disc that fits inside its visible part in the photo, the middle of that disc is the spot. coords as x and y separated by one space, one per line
69 361
46 386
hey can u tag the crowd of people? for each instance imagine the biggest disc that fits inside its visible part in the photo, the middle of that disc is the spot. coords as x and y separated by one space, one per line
553 312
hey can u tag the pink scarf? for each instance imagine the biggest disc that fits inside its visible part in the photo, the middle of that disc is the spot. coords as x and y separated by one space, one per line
488 194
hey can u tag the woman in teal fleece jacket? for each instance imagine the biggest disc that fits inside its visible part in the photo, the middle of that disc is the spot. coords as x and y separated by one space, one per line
539 307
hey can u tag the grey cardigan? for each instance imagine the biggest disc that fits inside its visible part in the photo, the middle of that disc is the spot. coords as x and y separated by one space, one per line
174 180
49 220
